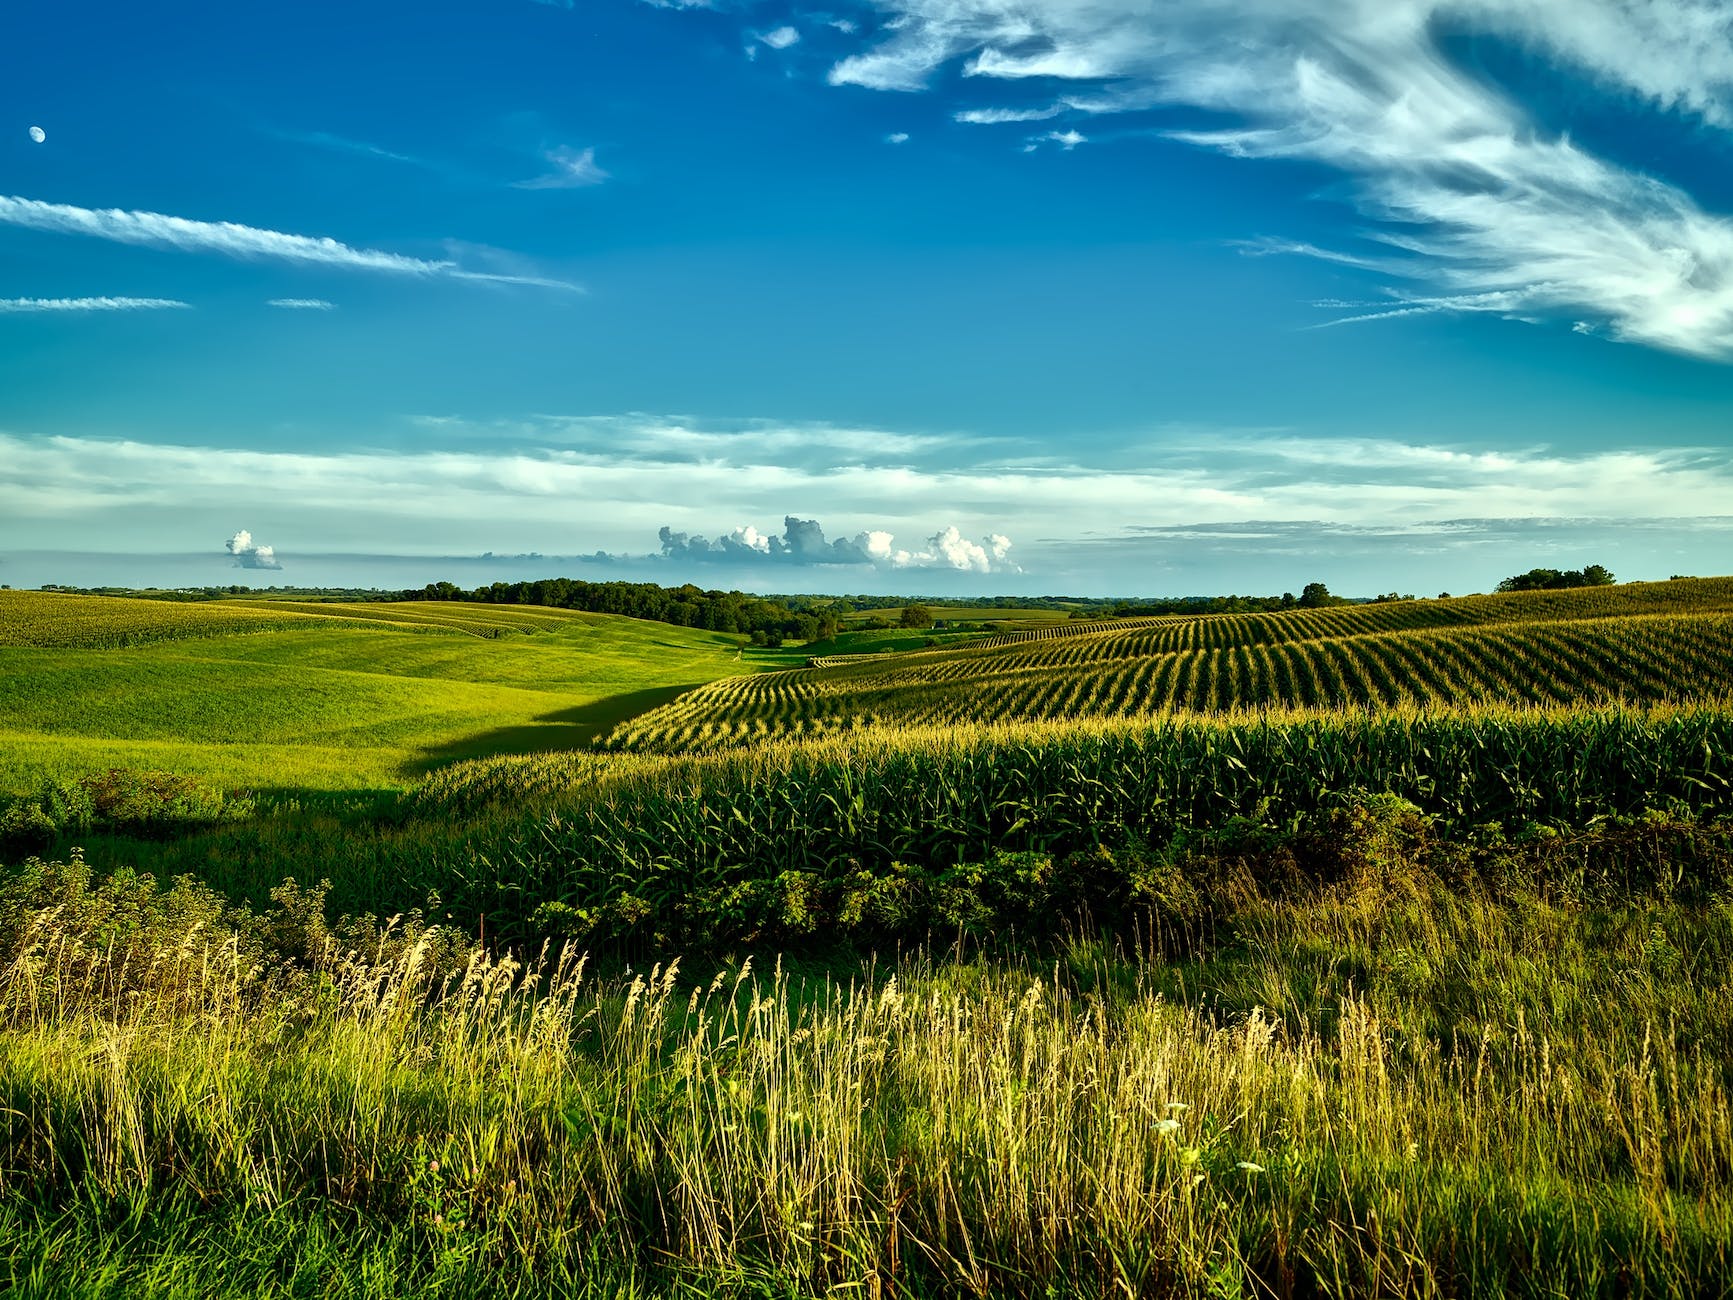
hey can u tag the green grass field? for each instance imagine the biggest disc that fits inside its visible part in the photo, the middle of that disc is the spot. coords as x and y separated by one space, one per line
1375 950
285 695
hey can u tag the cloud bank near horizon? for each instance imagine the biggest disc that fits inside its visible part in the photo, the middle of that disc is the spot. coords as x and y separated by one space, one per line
1210 510
803 543
563 485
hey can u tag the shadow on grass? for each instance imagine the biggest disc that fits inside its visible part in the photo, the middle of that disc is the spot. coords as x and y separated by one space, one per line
574 728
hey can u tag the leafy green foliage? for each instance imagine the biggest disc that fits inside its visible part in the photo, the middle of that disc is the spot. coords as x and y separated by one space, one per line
705 850
118 801
1593 575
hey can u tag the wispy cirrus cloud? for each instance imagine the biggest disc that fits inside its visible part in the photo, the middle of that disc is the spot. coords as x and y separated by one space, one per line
778 38
301 304
572 169
15 305
1000 116
331 142
360 148
1067 140
228 238
1486 209
232 239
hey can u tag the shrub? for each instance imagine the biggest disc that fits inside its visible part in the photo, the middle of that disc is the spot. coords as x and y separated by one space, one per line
122 801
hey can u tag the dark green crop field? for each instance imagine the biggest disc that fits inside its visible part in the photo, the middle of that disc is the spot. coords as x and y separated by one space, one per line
477 950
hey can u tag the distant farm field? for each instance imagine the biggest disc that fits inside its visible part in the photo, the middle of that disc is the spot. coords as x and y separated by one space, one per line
323 695
1642 643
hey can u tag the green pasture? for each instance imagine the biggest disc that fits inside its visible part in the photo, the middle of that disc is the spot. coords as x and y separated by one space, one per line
322 695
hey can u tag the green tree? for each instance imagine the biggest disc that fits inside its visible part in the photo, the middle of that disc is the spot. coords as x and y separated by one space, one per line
1591 575
916 616
1314 594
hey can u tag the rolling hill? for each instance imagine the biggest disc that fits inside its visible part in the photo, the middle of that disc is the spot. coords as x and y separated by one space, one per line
1640 643
265 693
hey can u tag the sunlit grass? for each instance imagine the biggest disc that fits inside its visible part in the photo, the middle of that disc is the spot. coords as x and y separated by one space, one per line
278 694
1388 1088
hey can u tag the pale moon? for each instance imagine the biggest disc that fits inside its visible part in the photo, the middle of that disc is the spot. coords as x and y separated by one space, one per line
38 134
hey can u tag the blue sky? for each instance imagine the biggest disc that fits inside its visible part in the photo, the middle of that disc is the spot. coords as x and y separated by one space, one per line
1106 296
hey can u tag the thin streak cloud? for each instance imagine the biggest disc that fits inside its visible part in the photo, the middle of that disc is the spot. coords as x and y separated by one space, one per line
999 116
228 238
14 305
361 148
231 239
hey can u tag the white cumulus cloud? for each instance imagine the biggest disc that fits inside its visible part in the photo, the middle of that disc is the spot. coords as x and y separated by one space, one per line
949 549
250 555
803 542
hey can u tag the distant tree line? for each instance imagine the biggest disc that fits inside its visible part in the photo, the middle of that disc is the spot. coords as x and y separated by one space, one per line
1593 575
766 621
769 620
1314 595
865 602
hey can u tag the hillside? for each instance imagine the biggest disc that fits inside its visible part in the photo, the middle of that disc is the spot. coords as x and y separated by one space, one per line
1639 643
282 694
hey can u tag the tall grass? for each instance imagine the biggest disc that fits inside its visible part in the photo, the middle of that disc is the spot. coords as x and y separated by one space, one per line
1387 1087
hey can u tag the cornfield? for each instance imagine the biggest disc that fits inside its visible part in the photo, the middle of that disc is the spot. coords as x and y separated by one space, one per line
1638 645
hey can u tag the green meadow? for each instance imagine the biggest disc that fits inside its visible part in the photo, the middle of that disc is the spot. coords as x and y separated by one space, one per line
285 695
469 950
